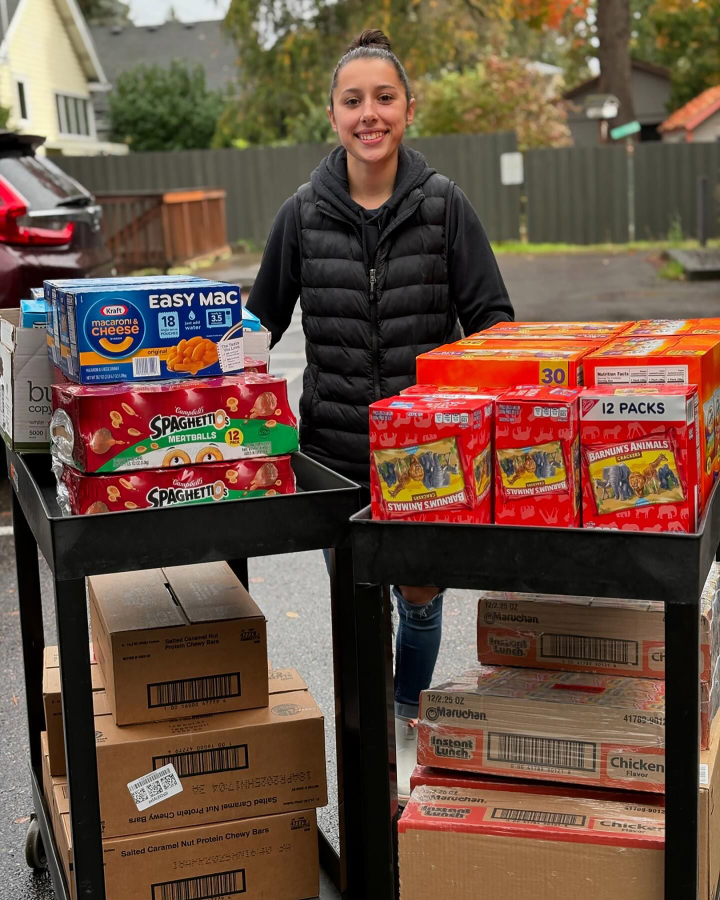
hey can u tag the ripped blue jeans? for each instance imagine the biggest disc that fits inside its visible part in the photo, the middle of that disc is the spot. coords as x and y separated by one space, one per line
417 643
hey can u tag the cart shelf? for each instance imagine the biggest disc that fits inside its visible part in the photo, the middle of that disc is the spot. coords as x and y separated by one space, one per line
316 517
634 565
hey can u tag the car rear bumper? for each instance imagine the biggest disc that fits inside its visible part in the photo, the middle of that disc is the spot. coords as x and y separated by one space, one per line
22 269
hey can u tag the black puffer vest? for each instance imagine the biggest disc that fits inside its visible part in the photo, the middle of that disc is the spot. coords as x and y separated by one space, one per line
365 323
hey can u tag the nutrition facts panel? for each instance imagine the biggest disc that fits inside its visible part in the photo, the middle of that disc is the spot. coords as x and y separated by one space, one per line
642 375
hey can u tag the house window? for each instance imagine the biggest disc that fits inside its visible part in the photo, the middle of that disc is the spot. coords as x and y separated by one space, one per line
22 97
74 115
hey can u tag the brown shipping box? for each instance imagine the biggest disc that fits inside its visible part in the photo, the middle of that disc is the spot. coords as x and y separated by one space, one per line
177 642
53 705
574 727
236 765
531 844
528 847
56 749
589 634
270 858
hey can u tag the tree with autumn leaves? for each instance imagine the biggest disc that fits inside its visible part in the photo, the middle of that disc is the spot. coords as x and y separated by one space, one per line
467 60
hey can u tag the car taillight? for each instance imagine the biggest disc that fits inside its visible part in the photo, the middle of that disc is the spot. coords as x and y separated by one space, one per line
16 226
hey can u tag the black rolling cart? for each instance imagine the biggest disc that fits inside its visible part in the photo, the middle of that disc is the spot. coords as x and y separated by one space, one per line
314 518
668 567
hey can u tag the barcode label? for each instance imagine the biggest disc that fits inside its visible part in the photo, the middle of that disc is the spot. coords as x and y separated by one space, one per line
223 884
155 787
205 762
589 649
146 366
538 817
704 775
542 751
192 690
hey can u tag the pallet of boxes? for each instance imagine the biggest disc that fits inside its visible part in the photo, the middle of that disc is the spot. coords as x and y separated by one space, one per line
541 771
210 764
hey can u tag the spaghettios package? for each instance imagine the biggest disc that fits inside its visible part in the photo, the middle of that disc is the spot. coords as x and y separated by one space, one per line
80 494
537 465
641 458
117 427
431 458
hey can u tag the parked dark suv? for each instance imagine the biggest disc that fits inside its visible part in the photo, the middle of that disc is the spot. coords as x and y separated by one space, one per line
49 224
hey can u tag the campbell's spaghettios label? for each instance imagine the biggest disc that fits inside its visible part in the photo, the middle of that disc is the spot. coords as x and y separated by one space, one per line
177 486
122 427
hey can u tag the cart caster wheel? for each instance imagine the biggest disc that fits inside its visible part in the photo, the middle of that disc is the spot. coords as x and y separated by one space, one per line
34 851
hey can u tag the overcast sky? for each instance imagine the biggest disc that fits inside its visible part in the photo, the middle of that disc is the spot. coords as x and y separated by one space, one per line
152 12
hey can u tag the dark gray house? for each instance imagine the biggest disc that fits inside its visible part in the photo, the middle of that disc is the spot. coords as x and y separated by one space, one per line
123 47
651 93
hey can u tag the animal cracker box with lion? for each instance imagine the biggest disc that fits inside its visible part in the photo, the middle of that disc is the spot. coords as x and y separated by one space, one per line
641 458
431 459
537 473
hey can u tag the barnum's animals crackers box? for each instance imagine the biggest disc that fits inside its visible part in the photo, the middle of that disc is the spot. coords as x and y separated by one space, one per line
670 360
431 458
513 362
640 458
594 729
537 477
80 494
152 425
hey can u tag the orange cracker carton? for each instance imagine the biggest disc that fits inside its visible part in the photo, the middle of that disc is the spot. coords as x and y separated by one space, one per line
431 458
457 392
679 327
580 728
537 476
641 458
557 363
559 329
656 361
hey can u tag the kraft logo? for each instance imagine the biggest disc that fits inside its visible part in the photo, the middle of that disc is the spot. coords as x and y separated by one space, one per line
115 309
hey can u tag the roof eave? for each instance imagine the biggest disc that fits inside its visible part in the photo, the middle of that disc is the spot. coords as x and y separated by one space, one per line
81 38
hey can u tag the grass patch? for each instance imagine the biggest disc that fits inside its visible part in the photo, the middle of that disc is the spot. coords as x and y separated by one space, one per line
518 247
672 271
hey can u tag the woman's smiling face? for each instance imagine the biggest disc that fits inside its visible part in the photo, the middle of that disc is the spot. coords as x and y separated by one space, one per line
370 109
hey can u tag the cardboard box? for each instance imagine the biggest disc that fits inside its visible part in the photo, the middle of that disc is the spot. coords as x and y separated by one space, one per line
272 857
659 361
641 458
513 363
537 473
431 458
709 842
116 427
528 846
25 379
80 494
562 726
281 681
589 634
130 331
178 641
239 764
52 703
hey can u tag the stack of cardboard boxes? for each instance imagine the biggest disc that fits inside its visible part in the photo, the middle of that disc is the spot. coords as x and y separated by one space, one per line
210 764
569 690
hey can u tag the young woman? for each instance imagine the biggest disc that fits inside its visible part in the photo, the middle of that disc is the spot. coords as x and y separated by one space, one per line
386 255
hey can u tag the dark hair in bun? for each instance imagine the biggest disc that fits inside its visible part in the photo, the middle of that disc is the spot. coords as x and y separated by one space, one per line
371 44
